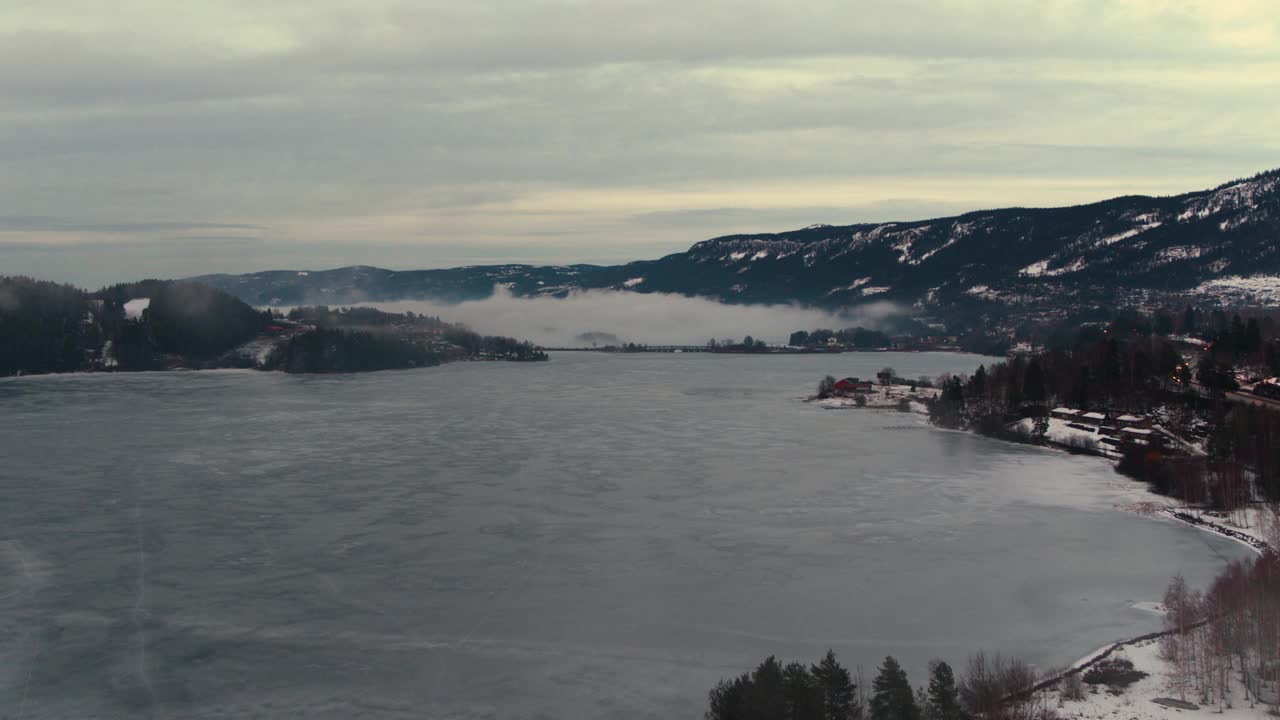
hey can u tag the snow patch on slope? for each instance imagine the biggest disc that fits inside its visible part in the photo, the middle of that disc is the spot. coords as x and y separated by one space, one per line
1041 269
983 291
851 286
1179 252
1264 289
1241 195
1113 239
1035 269
133 308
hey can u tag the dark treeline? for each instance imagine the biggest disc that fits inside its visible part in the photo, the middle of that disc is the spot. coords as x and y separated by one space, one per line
448 339
920 338
364 317
993 687
748 344
856 337
43 328
47 327
1230 631
1127 366
492 347
363 339
324 350
196 321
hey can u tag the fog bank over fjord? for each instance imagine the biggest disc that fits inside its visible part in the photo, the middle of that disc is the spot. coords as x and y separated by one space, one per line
649 318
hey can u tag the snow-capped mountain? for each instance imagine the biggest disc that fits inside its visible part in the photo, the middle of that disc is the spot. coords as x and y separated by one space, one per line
1219 243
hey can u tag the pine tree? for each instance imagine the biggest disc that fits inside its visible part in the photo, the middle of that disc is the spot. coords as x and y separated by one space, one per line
726 699
944 696
764 698
893 698
978 383
1040 427
838 690
801 693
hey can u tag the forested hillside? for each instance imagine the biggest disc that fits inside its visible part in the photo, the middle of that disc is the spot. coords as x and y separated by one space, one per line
363 339
156 325
1217 245
47 327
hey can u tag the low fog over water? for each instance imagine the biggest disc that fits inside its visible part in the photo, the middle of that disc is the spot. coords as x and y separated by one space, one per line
650 318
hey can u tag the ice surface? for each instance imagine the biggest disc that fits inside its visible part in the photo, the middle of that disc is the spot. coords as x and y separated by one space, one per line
597 536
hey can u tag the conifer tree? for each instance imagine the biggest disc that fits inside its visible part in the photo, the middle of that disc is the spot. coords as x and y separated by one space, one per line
978 383
839 694
801 693
944 696
893 698
764 698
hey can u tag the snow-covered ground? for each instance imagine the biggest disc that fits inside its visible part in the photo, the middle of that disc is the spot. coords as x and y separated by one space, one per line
1257 522
1263 289
884 397
1062 432
259 349
1136 702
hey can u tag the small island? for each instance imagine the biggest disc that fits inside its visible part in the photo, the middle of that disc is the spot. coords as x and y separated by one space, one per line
888 391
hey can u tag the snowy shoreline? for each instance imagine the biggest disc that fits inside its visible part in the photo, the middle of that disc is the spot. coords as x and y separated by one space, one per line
1153 691
1146 502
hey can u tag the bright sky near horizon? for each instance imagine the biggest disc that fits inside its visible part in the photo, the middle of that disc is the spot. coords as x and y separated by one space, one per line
147 138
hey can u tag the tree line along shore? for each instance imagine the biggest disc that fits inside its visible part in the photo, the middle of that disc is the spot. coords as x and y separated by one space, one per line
168 325
1191 415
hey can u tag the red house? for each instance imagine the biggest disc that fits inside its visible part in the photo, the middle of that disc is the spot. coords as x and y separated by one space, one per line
853 385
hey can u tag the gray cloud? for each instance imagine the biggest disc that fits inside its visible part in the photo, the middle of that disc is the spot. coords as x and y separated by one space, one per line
400 134
39 223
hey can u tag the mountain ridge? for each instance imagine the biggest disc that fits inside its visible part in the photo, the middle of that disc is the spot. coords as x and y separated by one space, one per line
1131 248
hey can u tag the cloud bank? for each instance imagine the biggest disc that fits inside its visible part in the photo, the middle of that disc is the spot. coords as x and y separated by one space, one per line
646 318
321 133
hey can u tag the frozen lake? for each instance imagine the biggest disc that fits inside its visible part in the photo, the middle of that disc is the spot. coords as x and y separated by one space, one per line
593 537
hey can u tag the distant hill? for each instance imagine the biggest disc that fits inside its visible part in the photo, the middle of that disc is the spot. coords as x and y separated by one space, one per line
1220 243
151 325
166 325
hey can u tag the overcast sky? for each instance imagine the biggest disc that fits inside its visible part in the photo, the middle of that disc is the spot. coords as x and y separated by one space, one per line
160 138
